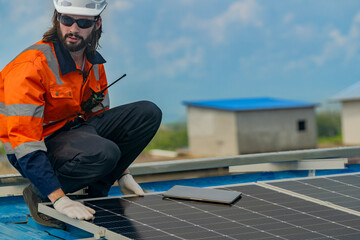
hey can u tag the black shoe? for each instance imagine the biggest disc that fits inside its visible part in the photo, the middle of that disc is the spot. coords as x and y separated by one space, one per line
32 201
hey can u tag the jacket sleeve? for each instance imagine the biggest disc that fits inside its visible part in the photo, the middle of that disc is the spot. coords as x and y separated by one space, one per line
24 106
44 179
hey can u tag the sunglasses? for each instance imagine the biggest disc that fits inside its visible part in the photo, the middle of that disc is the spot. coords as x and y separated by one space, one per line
82 23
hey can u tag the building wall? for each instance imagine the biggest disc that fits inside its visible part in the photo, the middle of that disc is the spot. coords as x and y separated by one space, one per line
350 122
211 132
276 130
221 133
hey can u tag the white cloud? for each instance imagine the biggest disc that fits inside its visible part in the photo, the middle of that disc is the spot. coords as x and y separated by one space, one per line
288 18
186 2
18 9
347 45
111 21
158 49
295 64
182 63
26 24
336 37
115 7
175 56
35 27
304 32
121 5
245 12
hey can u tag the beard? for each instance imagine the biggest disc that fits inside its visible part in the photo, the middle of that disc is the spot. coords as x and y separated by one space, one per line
74 47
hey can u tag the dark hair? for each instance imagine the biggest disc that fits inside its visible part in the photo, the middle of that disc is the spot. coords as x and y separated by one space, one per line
52 35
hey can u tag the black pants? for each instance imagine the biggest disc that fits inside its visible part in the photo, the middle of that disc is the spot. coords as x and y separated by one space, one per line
98 151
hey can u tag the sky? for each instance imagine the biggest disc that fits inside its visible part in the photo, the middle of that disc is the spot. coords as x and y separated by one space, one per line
184 50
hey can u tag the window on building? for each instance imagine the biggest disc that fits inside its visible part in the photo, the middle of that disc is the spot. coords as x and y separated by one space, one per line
301 125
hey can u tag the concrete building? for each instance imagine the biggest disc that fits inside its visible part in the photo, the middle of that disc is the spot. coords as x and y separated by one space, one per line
350 114
250 125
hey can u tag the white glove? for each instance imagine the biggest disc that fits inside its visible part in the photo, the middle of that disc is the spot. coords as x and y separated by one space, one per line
128 185
74 209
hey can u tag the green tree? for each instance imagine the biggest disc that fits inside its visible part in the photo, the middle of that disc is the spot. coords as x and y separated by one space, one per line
328 124
170 137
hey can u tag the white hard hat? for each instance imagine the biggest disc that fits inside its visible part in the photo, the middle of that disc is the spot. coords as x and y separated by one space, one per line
80 7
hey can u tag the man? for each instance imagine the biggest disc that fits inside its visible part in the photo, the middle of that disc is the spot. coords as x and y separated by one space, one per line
49 136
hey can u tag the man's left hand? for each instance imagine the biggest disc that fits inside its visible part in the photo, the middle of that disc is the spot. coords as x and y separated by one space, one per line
128 185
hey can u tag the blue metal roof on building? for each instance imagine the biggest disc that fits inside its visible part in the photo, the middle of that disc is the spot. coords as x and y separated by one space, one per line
250 104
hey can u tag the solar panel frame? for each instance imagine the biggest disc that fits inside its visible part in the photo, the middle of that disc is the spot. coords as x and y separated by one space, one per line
262 213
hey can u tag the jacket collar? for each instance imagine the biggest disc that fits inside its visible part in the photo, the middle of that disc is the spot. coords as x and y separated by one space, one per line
66 62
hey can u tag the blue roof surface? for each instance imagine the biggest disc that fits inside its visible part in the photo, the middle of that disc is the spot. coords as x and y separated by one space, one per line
250 104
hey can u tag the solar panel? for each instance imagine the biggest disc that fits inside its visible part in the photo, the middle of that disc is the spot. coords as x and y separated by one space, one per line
341 190
262 213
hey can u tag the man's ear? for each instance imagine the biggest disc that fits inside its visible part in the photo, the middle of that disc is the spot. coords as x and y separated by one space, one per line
98 23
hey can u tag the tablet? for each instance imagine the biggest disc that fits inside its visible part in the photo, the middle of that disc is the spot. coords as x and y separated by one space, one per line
202 194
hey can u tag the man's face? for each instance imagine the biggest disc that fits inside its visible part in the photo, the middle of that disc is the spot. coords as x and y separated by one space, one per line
75 38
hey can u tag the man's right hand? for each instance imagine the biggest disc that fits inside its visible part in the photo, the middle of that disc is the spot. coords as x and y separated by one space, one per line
74 209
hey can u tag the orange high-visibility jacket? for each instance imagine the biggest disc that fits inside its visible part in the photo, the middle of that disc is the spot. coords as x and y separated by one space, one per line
40 91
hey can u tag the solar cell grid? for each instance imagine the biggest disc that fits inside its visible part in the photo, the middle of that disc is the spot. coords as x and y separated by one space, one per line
261 214
306 219
343 191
